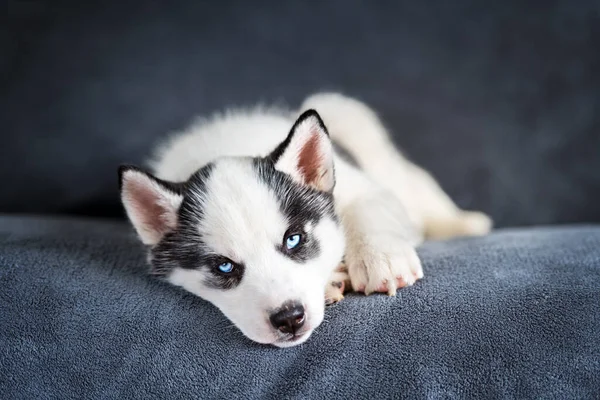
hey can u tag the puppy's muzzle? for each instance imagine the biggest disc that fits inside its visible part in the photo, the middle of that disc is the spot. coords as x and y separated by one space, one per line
289 318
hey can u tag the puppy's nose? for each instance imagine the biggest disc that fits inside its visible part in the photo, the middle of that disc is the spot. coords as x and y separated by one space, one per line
289 318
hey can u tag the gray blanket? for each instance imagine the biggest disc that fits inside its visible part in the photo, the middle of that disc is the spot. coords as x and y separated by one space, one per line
512 315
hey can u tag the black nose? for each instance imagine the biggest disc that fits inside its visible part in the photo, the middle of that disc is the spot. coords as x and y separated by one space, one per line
289 318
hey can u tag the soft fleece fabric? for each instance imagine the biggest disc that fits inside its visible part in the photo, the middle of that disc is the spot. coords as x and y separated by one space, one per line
515 315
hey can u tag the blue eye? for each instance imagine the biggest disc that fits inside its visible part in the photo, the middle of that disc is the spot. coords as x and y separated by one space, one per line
292 241
226 267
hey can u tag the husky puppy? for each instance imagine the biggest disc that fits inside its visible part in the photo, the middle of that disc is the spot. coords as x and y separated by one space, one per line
256 217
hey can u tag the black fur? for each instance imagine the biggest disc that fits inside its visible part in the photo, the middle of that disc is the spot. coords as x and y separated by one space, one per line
184 247
300 204
307 249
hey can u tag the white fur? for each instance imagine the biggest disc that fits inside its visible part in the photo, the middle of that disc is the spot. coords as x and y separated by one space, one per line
243 227
254 132
387 207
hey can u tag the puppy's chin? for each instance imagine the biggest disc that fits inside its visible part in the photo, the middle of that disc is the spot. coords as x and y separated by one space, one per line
293 341
275 339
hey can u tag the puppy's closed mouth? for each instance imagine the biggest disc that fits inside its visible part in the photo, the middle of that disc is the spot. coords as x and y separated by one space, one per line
294 338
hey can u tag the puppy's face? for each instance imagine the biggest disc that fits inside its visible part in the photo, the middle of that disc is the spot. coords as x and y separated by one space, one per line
257 237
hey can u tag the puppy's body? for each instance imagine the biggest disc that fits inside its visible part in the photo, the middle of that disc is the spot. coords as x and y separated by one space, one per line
241 187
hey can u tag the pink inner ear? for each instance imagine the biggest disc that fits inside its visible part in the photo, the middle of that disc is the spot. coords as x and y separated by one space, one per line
310 160
152 210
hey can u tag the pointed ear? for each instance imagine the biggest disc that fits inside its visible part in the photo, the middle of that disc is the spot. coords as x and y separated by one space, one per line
307 153
151 204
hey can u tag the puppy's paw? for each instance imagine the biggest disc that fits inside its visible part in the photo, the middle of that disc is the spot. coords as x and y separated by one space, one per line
383 263
337 285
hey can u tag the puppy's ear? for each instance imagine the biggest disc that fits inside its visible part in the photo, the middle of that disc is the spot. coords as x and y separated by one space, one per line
307 153
151 204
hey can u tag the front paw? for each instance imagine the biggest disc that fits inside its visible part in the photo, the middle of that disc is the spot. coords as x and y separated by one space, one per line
382 263
338 284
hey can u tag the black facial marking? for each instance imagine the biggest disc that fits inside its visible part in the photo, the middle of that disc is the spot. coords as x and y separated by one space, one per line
300 204
185 248
220 280
307 248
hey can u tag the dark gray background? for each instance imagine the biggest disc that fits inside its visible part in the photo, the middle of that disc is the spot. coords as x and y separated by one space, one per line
500 101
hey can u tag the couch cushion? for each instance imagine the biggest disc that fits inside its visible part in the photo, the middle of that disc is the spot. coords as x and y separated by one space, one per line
514 315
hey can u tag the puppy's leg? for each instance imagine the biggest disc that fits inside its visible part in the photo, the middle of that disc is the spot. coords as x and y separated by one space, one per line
380 238
441 218
357 129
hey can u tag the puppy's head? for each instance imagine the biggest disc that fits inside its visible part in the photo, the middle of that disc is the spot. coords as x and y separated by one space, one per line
257 237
